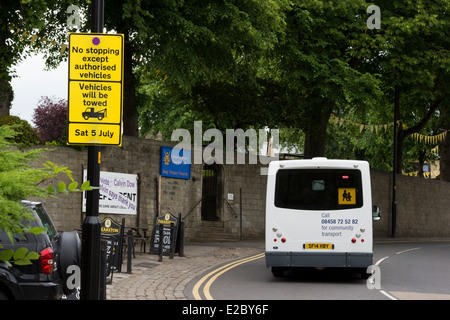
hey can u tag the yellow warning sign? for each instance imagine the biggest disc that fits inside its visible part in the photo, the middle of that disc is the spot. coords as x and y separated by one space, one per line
95 88
95 101
93 133
347 196
95 56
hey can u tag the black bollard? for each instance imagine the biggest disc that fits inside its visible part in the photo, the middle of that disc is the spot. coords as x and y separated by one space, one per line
181 239
102 293
172 244
160 248
129 250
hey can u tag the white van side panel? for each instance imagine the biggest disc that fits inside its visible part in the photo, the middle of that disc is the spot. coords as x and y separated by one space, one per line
294 237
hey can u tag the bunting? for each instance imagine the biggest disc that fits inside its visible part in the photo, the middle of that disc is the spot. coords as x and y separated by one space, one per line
426 175
371 127
435 139
430 139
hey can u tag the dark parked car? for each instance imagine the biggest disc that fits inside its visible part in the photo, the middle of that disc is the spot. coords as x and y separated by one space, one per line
46 277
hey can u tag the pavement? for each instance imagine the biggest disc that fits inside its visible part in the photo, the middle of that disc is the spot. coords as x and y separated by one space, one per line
167 280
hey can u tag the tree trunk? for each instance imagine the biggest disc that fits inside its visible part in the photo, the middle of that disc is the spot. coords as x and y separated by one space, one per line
130 114
6 91
400 142
316 134
421 163
444 147
6 95
402 134
444 151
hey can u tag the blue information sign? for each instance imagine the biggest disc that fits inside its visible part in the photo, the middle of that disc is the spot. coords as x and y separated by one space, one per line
175 163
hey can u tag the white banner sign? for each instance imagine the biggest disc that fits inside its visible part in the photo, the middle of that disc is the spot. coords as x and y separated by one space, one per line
118 193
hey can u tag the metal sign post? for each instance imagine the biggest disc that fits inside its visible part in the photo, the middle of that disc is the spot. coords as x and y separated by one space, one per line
95 119
394 174
91 253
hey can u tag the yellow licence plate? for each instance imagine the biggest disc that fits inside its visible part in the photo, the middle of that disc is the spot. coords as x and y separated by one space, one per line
318 246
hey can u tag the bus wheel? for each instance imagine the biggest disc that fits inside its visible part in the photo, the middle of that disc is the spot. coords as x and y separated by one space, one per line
364 274
278 272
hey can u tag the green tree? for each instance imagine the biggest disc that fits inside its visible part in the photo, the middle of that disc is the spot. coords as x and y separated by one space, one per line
14 15
26 27
183 42
374 142
410 52
317 67
413 61
410 56
198 59
19 180
297 81
26 135
444 146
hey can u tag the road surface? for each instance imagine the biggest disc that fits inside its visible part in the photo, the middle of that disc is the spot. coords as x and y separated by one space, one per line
406 271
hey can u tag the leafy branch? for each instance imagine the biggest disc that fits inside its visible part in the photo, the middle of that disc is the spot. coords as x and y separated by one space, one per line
54 170
21 256
19 180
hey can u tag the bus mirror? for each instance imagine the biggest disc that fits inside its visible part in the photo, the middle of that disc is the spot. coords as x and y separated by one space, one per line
376 213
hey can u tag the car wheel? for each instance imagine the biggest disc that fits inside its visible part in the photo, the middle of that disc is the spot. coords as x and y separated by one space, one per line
69 254
3 296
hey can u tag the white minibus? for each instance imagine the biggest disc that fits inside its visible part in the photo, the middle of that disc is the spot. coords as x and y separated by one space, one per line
319 214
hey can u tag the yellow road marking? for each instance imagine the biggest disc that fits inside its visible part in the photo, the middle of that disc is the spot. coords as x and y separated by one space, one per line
216 273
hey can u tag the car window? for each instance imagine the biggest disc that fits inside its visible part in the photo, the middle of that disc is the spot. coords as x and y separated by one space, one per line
18 238
46 221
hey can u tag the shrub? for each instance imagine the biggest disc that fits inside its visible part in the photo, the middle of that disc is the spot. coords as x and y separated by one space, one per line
26 135
50 119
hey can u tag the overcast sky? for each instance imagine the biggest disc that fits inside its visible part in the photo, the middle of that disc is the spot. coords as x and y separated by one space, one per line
33 82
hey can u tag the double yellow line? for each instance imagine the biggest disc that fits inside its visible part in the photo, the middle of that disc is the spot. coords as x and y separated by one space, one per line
213 275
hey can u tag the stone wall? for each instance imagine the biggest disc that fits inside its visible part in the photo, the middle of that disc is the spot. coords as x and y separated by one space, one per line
177 196
246 180
423 206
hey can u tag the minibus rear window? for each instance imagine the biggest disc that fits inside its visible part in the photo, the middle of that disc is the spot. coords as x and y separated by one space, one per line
318 189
